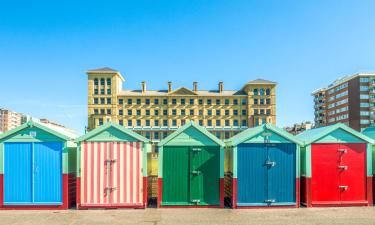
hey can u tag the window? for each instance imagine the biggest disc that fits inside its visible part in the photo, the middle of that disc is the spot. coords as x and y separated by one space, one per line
96 100
264 121
96 82
148 135
102 101
108 91
342 94
130 101
108 111
100 121
96 91
268 101
235 112
235 123
102 91
183 112
200 101
209 101
218 123
147 112
201 112
365 121
261 112
138 112
364 104
108 101
235 102
268 112
156 123
227 135
364 113
102 111
121 122
165 112
217 134
226 101
217 101
256 111
121 101
200 122
156 112
138 123
130 123
191 101
227 123
174 112
130 112
244 112
174 101
120 112
342 117
244 123
268 92
261 92
243 101
182 101
261 101
218 112
102 81
147 101
183 122
165 123
255 101
147 123
364 79
364 96
165 101
363 88
156 101
108 81
227 112
209 112
96 111
191 112
156 135
255 91
174 123
209 123
138 101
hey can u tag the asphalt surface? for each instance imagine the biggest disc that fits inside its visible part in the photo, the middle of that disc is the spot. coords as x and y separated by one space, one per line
355 215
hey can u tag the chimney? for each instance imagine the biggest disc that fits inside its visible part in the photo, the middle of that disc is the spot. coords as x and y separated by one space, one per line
221 87
143 86
195 86
169 86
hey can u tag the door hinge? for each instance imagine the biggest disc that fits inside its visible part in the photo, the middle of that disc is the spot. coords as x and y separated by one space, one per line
110 160
110 189
342 150
270 163
269 201
343 167
196 201
343 187
196 172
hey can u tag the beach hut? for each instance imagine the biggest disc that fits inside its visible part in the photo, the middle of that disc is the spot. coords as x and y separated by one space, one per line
265 168
191 169
37 167
370 132
112 168
336 167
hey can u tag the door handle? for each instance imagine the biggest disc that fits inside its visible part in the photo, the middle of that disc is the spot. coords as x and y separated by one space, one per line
342 150
270 163
343 167
110 160
196 172
269 201
343 187
196 201
110 189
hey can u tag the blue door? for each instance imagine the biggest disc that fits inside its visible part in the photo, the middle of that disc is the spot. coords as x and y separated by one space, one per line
33 173
266 174
17 173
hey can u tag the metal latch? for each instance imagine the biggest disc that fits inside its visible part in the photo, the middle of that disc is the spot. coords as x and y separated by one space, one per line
196 149
196 172
269 201
342 150
196 201
270 163
110 161
343 187
343 167
110 189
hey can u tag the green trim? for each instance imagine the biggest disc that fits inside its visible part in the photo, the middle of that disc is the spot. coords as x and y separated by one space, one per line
144 155
197 127
369 160
314 135
298 161
1 158
78 155
308 161
252 132
31 124
111 125
160 162
234 162
65 159
222 162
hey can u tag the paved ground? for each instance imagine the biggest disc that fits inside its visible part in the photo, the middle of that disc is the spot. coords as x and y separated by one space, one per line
359 215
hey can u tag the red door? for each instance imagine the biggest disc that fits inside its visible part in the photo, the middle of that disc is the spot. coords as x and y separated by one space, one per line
325 179
353 172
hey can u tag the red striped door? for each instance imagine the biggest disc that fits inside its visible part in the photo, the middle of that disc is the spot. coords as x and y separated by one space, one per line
111 173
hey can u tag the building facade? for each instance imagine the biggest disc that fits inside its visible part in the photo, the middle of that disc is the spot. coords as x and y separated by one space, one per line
156 113
10 119
349 100
299 127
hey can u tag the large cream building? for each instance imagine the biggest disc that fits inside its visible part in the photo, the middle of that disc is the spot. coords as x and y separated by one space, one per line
156 113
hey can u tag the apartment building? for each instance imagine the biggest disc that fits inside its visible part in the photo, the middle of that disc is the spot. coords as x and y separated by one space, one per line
10 119
156 113
349 100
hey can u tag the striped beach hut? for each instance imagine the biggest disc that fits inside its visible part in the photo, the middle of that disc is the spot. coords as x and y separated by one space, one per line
112 168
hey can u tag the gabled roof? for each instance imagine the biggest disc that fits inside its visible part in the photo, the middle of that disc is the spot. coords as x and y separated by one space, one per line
261 81
369 132
197 127
310 136
109 125
62 133
251 132
183 91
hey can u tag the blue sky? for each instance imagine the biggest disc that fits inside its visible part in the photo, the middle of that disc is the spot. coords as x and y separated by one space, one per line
45 49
